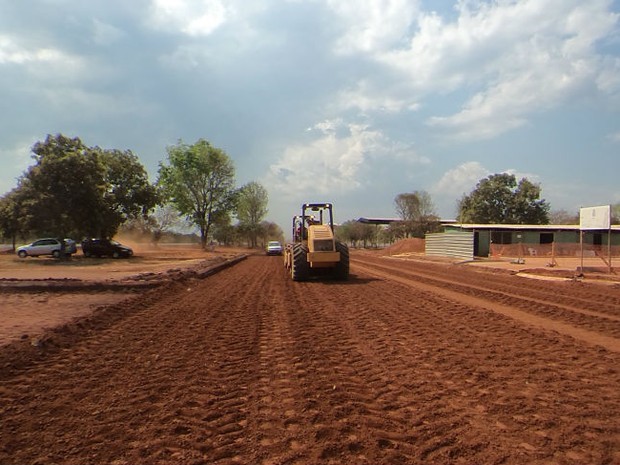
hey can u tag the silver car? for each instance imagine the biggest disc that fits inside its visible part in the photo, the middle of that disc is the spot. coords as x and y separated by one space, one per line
273 248
46 246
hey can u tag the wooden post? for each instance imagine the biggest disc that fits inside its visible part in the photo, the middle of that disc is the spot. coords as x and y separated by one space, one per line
609 247
553 261
581 245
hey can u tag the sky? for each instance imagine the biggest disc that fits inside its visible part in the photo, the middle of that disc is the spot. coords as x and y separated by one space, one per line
344 101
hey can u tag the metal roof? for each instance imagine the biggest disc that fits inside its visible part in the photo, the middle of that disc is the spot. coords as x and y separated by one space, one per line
453 223
378 220
392 220
530 227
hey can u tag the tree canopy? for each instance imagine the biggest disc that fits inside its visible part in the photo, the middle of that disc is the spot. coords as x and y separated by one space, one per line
417 211
11 214
73 189
500 199
199 181
252 201
354 232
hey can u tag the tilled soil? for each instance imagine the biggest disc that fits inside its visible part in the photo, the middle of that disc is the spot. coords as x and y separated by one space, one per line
407 362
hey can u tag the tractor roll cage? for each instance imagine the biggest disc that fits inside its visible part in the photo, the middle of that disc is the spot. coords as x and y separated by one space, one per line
321 209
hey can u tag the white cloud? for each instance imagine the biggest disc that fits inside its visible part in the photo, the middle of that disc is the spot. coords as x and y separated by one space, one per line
615 137
608 80
43 66
11 52
507 104
365 23
367 98
541 63
516 57
106 34
194 18
330 163
464 178
460 180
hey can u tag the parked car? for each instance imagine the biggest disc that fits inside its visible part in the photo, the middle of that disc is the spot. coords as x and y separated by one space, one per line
274 248
105 248
46 246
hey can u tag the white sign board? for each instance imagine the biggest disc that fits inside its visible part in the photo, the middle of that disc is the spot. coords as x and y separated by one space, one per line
595 217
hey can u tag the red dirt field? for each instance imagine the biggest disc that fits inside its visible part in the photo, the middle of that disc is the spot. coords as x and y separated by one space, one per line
410 361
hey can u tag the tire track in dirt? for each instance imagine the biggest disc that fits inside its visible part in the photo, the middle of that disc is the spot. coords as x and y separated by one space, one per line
348 395
277 397
142 388
462 378
248 366
597 299
591 337
544 306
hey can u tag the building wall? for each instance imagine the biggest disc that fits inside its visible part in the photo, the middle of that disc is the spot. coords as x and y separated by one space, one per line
455 244
517 242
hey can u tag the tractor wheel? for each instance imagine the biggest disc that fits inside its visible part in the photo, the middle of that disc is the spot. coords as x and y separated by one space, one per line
300 269
341 270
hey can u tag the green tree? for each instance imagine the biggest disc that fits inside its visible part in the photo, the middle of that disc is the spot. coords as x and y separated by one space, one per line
128 194
353 232
223 230
252 201
199 181
64 189
77 190
500 199
12 215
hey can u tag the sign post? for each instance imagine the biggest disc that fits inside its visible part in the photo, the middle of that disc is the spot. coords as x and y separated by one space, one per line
596 219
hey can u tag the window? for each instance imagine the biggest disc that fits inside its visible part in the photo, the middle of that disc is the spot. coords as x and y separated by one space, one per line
597 239
501 237
546 238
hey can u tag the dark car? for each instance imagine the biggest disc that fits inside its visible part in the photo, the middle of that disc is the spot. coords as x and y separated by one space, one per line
105 248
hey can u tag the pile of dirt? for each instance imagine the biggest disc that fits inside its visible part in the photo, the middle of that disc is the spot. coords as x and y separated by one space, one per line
410 245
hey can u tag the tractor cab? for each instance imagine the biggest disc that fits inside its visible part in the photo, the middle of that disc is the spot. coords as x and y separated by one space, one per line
314 250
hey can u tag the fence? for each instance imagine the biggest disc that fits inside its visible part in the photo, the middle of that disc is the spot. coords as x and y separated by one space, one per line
450 244
552 250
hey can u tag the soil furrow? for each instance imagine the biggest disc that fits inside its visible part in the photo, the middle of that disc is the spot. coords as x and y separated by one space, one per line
248 366
587 319
575 295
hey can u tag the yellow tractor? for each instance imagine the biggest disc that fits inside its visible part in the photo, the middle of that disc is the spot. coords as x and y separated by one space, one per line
314 250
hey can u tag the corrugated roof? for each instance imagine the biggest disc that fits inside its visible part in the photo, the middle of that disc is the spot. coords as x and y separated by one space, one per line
546 227
369 220
453 223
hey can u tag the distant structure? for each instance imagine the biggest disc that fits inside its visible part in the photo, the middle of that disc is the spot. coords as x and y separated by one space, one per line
467 241
387 221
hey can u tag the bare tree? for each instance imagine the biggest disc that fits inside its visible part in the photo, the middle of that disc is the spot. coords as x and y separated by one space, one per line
417 212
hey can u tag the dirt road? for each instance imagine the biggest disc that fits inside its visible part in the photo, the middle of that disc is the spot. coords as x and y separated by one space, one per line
404 363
